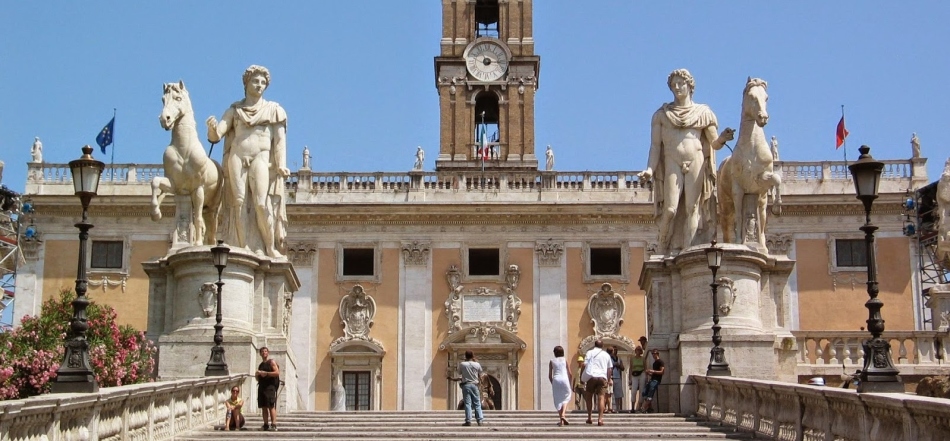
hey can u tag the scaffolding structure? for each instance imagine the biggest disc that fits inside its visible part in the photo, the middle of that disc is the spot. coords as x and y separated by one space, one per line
923 207
11 257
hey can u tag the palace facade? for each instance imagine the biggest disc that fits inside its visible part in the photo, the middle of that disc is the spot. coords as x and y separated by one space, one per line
401 273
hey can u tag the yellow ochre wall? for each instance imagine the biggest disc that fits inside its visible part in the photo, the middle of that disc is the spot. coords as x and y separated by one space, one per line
825 305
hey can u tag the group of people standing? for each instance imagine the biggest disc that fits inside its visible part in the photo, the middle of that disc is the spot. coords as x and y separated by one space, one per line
268 383
601 375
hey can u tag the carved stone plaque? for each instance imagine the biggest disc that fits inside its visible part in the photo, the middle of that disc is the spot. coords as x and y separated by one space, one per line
482 309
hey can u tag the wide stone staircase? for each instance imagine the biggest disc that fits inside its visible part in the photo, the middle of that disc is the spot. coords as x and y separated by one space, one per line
498 425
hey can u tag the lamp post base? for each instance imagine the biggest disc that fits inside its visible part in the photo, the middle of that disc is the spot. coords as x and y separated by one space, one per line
217 366
74 384
718 371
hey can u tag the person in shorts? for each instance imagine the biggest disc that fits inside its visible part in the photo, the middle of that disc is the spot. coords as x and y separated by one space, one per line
268 380
597 374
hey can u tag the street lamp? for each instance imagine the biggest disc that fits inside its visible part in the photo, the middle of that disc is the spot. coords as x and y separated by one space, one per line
879 373
718 367
75 372
217 365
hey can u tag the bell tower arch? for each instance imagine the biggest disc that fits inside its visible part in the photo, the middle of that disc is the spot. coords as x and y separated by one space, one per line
486 75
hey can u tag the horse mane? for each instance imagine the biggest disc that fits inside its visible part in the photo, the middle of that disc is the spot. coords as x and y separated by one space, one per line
753 82
174 87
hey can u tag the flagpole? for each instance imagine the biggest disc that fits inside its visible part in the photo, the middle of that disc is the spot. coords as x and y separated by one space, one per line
481 141
845 141
112 161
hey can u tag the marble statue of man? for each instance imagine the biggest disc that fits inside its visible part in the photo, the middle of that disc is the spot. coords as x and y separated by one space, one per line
37 150
915 145
306 157
420 158
549 159
774 146
255 166
1 170
683 139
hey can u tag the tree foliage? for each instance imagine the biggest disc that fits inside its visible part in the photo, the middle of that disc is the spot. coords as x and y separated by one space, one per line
30 354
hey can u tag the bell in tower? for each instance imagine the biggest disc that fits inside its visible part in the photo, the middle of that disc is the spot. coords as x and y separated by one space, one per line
486 76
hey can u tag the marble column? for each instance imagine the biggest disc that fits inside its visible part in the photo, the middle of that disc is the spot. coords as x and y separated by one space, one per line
415 327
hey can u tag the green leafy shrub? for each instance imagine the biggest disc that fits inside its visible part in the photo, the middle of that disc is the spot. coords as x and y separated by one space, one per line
30 355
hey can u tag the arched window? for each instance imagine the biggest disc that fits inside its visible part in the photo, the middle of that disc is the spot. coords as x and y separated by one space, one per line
486 136
486 18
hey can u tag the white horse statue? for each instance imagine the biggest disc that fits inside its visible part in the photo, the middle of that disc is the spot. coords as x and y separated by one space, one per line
188 170
749 171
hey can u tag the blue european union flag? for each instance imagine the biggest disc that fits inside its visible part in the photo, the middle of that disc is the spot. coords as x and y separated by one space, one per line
105 136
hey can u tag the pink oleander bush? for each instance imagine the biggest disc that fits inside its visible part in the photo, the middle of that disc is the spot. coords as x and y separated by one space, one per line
30 355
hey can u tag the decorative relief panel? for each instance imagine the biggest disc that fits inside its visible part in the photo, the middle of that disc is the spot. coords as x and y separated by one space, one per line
416 253
778 244
301 253
606 308
727 288
206 298
483 308
357 310
106 280
549 253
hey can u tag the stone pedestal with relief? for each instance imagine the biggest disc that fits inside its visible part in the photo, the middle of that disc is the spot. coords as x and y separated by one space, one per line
754 312
256 304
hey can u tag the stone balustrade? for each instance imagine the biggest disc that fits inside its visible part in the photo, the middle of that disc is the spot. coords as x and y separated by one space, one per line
804 178
150 411
913 352
792 412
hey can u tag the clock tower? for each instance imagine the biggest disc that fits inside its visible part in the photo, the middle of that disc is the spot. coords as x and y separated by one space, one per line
486 76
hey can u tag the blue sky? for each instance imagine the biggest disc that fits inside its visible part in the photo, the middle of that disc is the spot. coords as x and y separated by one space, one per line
357 81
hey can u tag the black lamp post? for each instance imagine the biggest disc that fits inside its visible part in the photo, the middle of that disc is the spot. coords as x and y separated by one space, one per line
718 367
217 365
75 372
879 373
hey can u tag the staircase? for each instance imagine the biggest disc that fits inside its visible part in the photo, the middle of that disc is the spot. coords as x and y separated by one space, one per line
498 425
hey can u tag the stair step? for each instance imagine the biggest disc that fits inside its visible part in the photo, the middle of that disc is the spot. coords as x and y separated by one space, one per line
498 425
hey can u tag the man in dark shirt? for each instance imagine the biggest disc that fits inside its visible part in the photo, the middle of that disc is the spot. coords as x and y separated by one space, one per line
268 380
656 375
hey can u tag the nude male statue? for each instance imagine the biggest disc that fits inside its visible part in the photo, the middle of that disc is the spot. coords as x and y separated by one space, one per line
255 164
683 140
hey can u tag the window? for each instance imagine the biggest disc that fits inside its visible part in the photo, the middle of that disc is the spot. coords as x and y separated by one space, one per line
483 261
106 254
606 262
357 388
486 18
487 125
358 262
851 252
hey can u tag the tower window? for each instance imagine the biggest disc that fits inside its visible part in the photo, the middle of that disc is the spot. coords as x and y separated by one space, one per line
851 252
106 254
486 18
486 125
605 262
483 261
358 262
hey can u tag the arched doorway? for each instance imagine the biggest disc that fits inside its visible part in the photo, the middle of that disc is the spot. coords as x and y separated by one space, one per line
498 351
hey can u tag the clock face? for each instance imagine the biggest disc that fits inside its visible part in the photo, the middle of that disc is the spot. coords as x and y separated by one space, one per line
486 61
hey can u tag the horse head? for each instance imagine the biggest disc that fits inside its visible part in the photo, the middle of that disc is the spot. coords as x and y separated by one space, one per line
175 104
755 99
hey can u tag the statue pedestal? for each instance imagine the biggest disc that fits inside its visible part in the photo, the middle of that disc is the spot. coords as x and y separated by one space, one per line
255 306
754 312
939 304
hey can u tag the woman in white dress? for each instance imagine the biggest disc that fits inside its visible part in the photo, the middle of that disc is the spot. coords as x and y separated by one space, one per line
559 373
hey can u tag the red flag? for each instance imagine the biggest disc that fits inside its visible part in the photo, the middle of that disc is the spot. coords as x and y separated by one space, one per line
840 134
